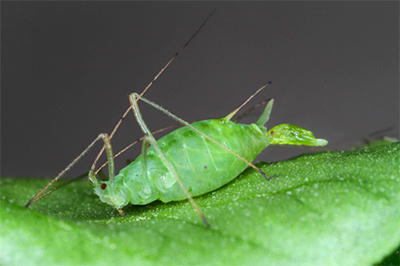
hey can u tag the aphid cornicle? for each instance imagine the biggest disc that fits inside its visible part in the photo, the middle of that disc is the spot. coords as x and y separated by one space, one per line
188 162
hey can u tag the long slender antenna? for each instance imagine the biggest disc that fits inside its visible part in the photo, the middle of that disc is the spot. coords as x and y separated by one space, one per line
39 197
152 82
39 194
35 198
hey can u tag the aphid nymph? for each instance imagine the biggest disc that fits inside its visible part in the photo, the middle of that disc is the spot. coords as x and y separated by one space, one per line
190 161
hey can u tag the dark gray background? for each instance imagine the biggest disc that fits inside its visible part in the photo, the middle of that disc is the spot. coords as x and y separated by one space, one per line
67 68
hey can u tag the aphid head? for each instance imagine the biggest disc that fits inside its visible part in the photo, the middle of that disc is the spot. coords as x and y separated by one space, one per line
294 135
112 194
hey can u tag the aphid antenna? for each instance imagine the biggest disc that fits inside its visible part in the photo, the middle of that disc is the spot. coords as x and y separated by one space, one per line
33 200
37 196
151 83
106 138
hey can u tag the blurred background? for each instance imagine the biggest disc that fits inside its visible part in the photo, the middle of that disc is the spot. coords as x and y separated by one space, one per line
68 67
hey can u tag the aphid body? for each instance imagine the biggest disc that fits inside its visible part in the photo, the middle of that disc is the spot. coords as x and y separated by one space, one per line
188 162
201 165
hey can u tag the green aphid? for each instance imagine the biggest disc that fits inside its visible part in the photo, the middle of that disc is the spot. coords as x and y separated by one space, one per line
198 161
188 162
192 160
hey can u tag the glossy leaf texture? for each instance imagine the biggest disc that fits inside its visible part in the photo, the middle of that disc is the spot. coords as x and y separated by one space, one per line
331 208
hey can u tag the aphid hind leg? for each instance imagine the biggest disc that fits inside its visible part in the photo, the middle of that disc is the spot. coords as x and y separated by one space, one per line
150 138
145 147
233 113
135 96
250 110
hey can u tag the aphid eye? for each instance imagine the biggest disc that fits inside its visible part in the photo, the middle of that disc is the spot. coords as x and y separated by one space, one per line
205 166
272 132
103 186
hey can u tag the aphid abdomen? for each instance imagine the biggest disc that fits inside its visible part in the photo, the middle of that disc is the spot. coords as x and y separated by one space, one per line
201 165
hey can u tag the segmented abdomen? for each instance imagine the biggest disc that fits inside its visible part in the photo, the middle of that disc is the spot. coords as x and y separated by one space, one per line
202 165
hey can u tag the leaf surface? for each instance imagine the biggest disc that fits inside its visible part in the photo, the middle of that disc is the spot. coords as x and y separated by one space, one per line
331 208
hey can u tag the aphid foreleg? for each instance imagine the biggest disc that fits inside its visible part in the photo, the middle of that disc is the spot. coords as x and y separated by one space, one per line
110 158
149 137
135 96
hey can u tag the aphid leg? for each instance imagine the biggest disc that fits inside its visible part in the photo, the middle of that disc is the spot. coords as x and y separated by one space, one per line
110 158
39 196
250 110
229 117
145 146
149 137
121 212
135 96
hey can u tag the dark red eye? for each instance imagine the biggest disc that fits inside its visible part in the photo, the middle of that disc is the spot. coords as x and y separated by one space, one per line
103 186
205 166
272 132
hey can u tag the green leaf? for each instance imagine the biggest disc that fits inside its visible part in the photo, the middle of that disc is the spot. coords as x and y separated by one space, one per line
332 208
